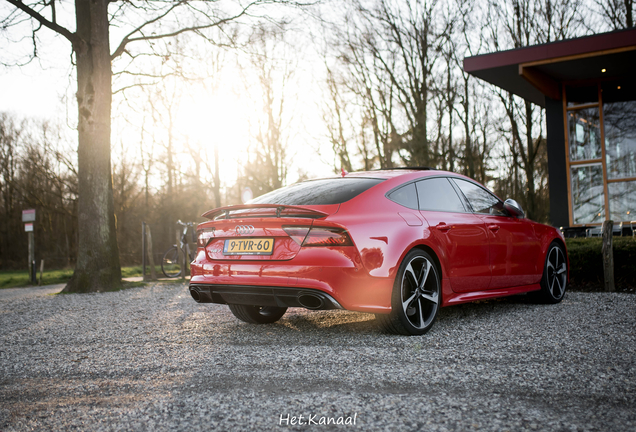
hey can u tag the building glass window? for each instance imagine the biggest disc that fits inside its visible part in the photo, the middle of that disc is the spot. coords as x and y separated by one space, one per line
619 119
622 201
601 153
584 134
588 200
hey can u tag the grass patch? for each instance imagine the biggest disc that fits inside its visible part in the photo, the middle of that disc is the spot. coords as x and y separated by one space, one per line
138 271
20 278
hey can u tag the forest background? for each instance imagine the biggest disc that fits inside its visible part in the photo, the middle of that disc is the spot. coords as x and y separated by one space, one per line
287 92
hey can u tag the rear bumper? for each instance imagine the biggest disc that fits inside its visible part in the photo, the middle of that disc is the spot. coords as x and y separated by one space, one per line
263 296
330 274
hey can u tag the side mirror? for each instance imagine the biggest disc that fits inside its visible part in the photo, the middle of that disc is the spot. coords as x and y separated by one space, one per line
514 208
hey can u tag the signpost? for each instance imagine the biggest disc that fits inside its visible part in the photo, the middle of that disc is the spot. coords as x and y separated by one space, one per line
28 217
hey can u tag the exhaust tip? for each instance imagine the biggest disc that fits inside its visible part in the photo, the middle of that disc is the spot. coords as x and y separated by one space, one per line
195 295
310 301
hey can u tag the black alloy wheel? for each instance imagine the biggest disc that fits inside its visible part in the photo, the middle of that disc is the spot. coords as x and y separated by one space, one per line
555 275
257 314
416 296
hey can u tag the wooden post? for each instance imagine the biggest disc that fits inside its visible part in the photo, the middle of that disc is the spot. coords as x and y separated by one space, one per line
32 271
186 258
143 251
28 217
181 255
608 255
151 259
41 271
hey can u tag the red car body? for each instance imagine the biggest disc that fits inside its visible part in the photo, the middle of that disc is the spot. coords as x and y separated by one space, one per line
478 256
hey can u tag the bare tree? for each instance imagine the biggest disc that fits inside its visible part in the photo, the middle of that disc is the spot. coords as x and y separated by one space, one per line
619 14
98 266
389 49
9 139
270 61
34 174
408 59
376 96
466 28
201 156
366 79
126 193
335 119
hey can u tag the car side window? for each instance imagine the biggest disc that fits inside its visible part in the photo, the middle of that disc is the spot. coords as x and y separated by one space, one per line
480 199
437 194
405 196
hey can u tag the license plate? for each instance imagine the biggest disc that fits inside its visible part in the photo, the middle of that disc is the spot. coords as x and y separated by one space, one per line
252 246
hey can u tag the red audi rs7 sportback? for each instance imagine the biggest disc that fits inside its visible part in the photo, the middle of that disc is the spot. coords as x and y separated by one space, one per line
397 243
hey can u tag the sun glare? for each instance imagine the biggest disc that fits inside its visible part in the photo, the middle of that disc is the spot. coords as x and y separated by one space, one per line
216 120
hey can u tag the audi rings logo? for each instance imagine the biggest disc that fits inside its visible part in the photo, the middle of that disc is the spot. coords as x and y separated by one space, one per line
244 229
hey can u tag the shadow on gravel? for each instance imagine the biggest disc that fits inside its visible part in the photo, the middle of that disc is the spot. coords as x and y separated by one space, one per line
322 326
298 326
487 308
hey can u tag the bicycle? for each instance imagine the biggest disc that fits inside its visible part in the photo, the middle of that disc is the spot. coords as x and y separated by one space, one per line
174 257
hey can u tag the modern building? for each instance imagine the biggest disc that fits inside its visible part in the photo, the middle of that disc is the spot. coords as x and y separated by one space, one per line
588 88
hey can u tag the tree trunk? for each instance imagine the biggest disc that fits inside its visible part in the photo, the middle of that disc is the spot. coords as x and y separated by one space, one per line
97 267
217 178
469 153
528 158
150 254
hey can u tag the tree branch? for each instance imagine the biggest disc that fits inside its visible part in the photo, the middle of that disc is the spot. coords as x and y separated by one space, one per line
127 39
122 45
72 37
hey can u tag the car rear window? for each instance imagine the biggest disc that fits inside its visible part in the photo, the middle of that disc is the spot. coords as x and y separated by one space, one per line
318 192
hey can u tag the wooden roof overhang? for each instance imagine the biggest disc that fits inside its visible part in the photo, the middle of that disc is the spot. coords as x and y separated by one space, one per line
537 71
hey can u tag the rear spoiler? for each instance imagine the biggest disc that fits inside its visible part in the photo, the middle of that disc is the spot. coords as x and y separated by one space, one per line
262 210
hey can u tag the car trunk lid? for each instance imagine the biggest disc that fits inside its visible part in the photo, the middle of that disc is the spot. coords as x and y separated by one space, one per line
256 232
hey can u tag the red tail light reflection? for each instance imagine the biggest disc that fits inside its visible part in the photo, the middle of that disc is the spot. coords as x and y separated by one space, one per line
327 237
304 236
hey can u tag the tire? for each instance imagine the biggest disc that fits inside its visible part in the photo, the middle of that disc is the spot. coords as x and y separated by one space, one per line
171 262
555 277
257 314
416 296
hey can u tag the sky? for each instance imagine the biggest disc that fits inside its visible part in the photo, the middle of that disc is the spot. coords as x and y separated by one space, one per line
36 89
44 89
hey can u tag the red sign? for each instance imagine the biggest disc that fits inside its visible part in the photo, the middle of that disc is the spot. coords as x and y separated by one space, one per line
28 227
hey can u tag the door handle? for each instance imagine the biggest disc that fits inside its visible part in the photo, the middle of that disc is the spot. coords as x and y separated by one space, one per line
494 228
443 227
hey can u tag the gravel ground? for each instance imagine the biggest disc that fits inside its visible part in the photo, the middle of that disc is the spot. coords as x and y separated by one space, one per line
30 292
152 359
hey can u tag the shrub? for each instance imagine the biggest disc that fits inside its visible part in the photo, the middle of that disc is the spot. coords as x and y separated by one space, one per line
586 263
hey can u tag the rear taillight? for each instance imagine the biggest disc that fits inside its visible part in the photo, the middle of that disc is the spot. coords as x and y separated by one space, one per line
305 236
327 237
204 237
